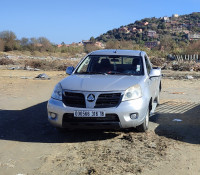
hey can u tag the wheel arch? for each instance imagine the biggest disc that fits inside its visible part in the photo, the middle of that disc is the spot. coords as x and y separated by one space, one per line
150 104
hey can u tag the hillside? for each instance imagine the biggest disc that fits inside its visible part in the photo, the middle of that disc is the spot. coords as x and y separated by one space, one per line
179 28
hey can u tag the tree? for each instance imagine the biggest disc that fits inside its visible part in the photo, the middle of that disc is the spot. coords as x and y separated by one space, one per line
44 44
161 25
9 39
90 47
167 43
33 44
112 44
24 41
1 45
92 39
193 48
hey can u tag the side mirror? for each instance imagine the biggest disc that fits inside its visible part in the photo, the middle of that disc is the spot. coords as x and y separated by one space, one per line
69 70
155 72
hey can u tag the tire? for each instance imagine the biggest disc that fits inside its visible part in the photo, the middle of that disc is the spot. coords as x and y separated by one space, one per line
158 99
145 125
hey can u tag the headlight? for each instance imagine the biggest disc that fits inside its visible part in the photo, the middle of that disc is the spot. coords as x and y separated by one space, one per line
132 93
57 92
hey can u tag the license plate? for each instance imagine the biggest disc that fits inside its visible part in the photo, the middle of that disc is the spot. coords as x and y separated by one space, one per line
89 114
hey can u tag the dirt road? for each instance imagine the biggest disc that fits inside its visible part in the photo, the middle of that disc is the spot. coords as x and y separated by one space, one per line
29 145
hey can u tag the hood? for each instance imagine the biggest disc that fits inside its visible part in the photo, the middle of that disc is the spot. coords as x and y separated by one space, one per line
100 82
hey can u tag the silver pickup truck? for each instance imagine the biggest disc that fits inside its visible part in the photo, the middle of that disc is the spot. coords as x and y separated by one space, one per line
107 89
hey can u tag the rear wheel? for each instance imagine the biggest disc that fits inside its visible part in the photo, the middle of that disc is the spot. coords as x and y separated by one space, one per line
145 125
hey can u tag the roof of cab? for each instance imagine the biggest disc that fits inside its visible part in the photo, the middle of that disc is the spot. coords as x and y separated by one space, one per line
118 52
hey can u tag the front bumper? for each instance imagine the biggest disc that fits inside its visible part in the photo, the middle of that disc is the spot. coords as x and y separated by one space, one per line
123 111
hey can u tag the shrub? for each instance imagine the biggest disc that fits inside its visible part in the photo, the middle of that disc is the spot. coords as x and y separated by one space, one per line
5 61
157 61
183 66
51 65
197 67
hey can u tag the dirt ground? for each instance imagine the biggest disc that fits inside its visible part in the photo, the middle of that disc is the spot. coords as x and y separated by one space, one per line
29 145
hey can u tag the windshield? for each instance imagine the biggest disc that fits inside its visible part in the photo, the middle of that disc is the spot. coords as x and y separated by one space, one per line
126 65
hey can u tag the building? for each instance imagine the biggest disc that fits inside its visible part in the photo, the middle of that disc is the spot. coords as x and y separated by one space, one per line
61 45
152 34
133 29
186 31
194 36
85 42
175 15
124 30
80 44
166 19
152 44
99 44
140 30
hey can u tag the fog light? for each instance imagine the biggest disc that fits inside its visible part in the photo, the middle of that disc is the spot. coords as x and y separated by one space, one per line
53 115
134 116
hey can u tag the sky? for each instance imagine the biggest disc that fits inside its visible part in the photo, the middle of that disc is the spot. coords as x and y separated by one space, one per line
76 20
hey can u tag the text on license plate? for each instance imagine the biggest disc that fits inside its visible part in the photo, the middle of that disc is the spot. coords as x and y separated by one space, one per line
89 114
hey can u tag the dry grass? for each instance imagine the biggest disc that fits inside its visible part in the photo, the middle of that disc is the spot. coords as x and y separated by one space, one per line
59 65
50 65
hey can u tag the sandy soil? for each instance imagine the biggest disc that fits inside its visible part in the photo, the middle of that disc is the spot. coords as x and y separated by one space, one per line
30 145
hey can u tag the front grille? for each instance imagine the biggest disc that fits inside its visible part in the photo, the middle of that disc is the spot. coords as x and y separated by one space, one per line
69 117
108 100
74 99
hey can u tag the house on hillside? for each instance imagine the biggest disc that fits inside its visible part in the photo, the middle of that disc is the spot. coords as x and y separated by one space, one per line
133 29
193 36
61 45
85 42
152 34
124 29
152 44
145 23
166 19
186 31
99 44
177 28
175 16
140 30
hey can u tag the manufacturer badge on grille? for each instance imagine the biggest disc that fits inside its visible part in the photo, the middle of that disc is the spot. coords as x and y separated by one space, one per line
90 97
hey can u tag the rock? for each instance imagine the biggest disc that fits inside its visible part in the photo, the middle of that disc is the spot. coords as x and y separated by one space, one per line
152 145
16 68
12 68
43 77
189 77
26 77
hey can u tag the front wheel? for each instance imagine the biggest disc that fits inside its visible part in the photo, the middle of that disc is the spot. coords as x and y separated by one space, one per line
145 125
158 99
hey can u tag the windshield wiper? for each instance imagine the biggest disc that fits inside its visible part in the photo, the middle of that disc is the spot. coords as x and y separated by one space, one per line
90 73
118 73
